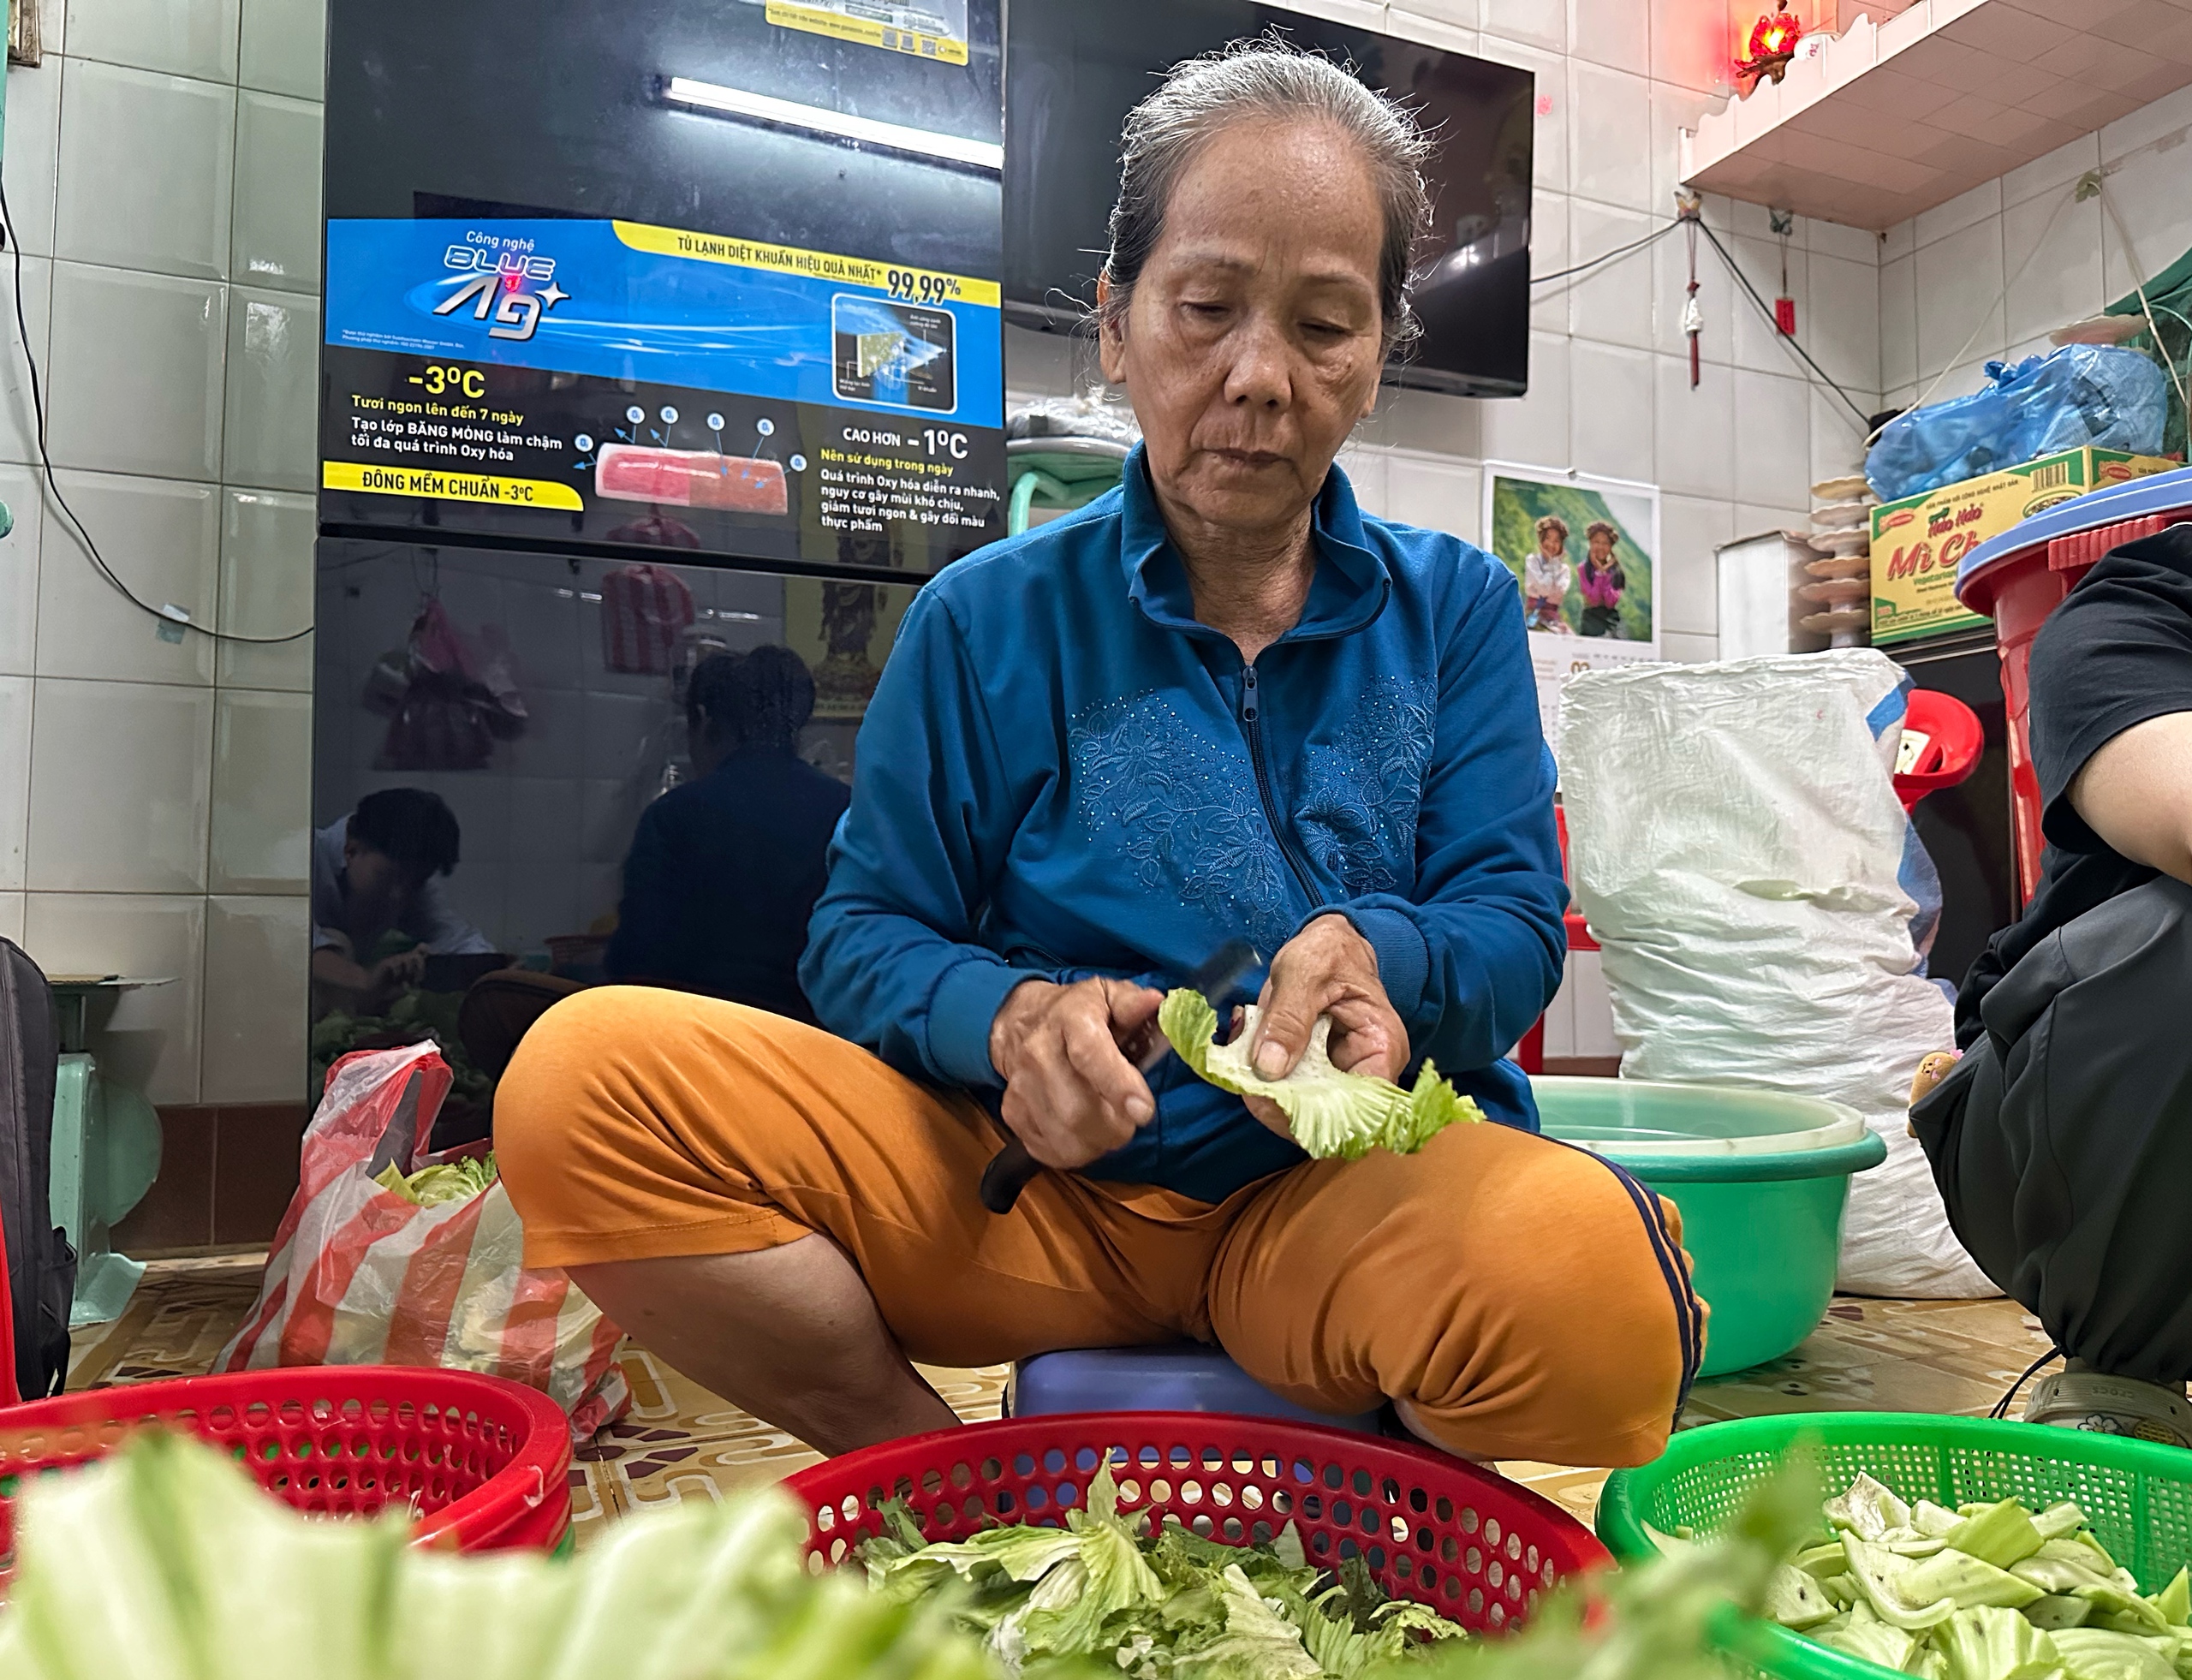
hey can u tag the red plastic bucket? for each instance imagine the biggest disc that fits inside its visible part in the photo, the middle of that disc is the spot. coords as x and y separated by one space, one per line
484 1462
1473 1545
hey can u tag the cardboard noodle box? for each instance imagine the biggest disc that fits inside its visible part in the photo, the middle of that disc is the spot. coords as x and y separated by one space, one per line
1917 541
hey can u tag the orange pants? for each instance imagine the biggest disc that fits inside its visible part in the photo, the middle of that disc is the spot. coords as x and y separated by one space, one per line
1528 1300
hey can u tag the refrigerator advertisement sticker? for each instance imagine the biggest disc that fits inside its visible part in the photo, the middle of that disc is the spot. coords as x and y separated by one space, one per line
572 365
937 29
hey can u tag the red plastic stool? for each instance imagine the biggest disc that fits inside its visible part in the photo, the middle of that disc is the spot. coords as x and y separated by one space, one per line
1950 743
2018 578
1529 1055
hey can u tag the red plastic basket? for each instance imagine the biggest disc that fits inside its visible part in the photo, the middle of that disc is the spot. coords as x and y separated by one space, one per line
1471 1544
483 1462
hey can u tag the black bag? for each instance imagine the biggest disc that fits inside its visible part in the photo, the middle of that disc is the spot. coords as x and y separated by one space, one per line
41 1266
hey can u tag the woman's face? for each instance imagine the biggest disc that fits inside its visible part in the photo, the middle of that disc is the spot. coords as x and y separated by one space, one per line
1252 343
1553 543
1601 547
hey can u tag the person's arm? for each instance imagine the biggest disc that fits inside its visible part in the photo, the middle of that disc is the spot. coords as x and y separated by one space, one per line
2136 793
655 938
892 960
2111 712
439 928
1469 958
362 987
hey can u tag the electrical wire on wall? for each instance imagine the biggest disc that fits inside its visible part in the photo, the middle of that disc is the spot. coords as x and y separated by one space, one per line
173 617
2093 184
1692 219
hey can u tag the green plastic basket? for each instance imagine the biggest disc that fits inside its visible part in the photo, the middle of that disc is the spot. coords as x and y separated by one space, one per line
2137 1495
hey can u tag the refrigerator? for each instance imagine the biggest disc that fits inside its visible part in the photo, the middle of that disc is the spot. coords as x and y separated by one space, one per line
653 330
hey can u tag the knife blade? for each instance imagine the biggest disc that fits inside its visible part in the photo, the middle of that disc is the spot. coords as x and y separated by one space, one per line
1012 1168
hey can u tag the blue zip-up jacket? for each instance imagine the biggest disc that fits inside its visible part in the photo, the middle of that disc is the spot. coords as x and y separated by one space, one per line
1063 774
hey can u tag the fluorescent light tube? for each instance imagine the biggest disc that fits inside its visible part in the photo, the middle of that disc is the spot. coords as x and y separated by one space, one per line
785 113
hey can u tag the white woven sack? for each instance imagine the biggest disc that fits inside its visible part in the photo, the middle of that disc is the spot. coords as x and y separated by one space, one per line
1738 849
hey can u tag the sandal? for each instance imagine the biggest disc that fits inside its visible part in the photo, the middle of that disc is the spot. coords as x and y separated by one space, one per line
2113 1406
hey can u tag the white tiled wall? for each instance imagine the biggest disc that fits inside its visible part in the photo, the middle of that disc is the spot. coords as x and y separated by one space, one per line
1989 275
164 167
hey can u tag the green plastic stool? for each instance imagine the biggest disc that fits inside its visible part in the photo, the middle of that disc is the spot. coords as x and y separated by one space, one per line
106 1153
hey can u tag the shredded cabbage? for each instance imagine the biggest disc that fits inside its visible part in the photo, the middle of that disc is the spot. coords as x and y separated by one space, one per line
1332 1114
1986 1592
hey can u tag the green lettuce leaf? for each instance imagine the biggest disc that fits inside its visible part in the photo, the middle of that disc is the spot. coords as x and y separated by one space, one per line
2002 1535
445 1181
1794 1600
1938 1520
2056 1611
1257 1643
1991 1643
1875 1640
1107 1577
1868 1508
1877 1572
2090 1653
164 1562
1968 1582
1822 1563
2173 1604
1331 1114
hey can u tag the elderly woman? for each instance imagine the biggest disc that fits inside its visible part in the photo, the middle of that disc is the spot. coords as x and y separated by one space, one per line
1219 702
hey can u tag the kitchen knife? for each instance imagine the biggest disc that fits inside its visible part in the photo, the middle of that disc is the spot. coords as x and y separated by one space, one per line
1012 1168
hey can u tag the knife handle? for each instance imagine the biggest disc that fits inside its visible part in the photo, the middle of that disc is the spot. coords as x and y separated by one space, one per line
1009 1171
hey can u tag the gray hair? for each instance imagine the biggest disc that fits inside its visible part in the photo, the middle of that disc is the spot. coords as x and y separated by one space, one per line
1267 79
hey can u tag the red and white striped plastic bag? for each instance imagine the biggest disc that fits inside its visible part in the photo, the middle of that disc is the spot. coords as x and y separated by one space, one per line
360 1275
643 610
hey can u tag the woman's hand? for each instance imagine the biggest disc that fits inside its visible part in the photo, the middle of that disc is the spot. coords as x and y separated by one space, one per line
1070 1093
1327 969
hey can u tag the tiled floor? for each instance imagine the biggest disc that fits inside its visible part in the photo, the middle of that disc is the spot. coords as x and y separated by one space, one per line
681 1442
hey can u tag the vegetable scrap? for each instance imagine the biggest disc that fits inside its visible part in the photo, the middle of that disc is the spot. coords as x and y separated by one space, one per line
459 1180
1983 1592
1166 1604
1332 1114
166 1562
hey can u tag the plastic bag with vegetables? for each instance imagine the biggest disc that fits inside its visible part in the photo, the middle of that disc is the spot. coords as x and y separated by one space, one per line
439 1277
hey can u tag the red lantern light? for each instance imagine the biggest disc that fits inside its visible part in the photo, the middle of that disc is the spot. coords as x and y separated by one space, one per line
1772 44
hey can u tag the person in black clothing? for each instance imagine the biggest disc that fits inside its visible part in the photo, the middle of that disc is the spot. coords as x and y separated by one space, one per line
2062 1141
723 871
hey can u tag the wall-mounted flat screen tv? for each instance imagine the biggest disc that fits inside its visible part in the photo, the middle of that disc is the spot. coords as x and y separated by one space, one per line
1073 70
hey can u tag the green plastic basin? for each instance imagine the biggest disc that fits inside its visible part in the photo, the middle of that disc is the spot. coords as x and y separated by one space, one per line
1760 1179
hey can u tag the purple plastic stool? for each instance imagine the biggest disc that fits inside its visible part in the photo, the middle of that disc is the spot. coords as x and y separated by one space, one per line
1185 1378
